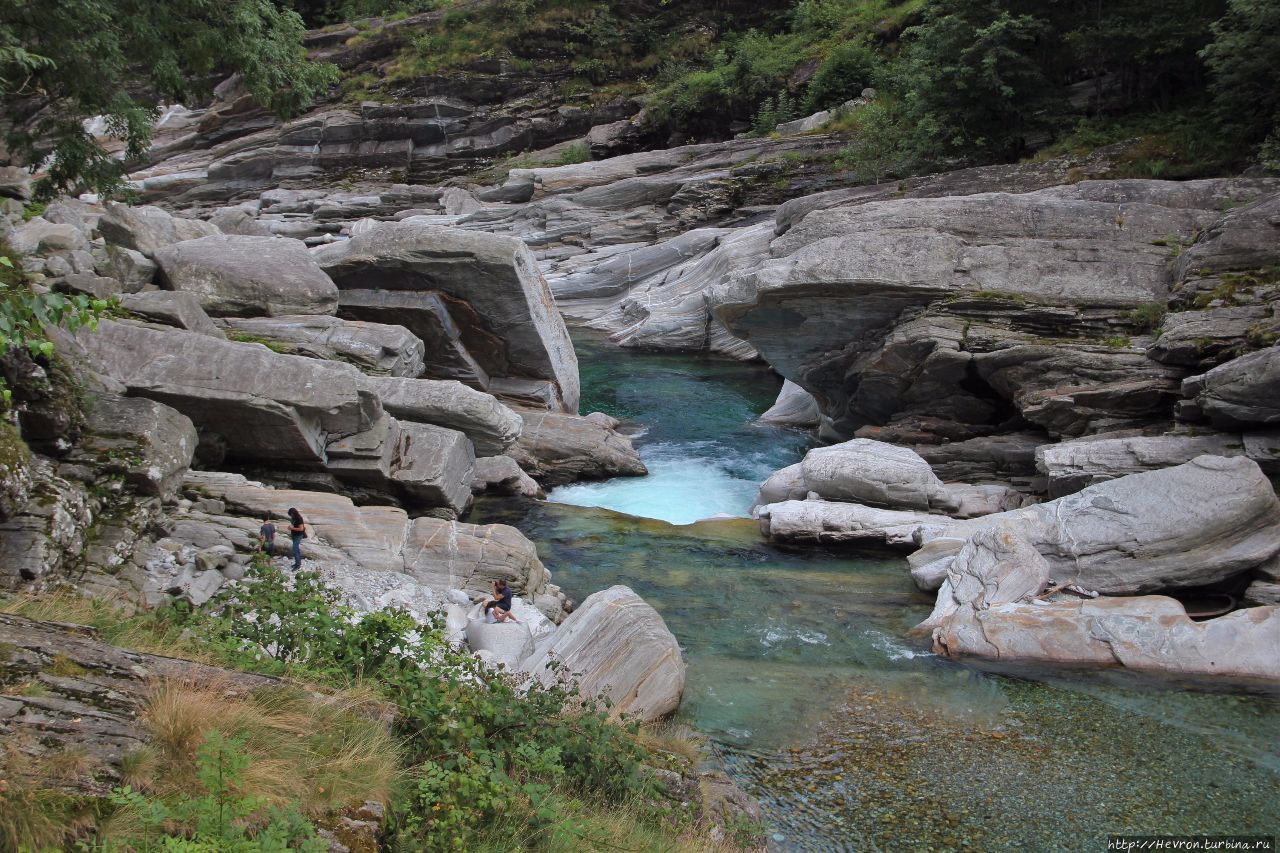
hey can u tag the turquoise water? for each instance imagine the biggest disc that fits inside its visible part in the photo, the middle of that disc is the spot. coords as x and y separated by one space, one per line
800 671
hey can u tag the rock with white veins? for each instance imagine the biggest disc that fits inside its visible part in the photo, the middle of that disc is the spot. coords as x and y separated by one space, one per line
1190 525
616 645
794 407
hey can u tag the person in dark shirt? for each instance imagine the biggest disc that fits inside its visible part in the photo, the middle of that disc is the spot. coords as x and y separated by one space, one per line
500 604
297 532
267 535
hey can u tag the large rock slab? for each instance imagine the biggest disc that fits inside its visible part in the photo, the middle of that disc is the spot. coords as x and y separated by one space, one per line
148 229
833 523
1190 525
1073 465
168 308
265 406
490 425
373 347
616 645
1148 633
470 557
556 449
248 276
149 444
511 327
1243 392
874 473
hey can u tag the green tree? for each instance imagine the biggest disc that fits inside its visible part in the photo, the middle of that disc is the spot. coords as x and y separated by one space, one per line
1244 59
119 58
974 77
847 70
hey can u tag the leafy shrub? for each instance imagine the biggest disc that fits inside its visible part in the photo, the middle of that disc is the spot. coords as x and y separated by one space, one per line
842 76
480 746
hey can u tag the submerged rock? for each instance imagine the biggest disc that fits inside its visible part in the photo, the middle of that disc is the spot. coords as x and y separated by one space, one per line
615 645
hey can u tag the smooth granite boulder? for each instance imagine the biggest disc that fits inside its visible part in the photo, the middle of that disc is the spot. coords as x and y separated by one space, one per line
1189 525
469 557
502 643
487 287
873 473
148 229
996 566
1148 633
130 267
1073 465
818 522
794 407
266 406
490 425
556 449
503 475
248 276
1243 392
373 347
616 645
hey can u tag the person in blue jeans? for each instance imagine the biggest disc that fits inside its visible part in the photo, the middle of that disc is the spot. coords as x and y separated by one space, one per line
297 532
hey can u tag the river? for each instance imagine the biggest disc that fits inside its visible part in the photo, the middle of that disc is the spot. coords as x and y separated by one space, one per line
850 733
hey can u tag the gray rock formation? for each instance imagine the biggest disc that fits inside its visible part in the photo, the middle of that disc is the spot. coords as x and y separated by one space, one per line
1190 525
149 229
146 443
502 475
831 523
490 425
484 292
266 406
372 347
248 276
616 645
794 407
1147 633
130 267
168 308
872 472
1242 392
556 449
1072 465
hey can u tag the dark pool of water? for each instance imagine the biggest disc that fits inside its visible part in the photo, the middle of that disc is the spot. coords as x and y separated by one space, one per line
852 735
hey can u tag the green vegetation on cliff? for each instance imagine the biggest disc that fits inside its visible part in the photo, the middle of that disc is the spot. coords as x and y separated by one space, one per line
471 760
118 59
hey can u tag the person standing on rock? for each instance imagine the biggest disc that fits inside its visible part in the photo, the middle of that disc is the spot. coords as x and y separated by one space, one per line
267 535
500 604
297 532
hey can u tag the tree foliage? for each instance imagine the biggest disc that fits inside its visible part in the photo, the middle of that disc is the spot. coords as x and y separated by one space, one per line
120 58
1245 60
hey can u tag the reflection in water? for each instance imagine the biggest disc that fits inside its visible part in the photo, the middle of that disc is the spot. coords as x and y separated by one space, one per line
852 735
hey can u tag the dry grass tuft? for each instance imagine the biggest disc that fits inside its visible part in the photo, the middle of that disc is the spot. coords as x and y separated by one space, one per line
672 739
318 752
141 632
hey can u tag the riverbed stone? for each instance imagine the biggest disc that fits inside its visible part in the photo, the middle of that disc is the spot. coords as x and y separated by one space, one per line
1190 525
794 407
818 522
503 475
1072 465
872 473
469 557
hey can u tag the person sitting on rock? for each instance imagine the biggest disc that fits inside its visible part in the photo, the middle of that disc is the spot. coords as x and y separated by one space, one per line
297 532
267 535
500 604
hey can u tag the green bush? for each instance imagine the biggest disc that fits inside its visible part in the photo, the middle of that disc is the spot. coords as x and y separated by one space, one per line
480 747
842 76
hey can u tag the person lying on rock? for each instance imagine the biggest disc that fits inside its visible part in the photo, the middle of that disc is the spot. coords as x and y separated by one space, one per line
500 604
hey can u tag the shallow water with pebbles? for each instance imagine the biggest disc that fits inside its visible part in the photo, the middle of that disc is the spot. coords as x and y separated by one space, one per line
851 734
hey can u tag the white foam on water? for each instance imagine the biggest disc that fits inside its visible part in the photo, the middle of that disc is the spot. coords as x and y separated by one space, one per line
681 488
894 649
